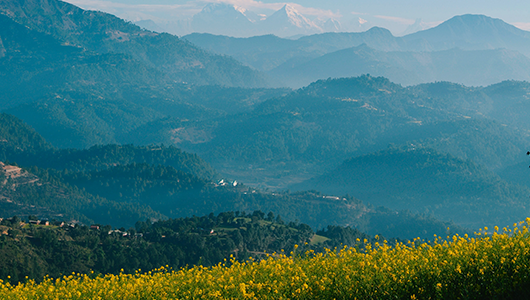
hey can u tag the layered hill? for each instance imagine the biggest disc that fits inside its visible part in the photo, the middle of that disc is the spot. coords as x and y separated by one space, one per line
424 180
22 144
294 137
119 185
87 78
455 50
268 51
317 127
64 72
472 67
84 118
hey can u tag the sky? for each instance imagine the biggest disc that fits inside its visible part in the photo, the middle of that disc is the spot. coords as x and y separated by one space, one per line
391 14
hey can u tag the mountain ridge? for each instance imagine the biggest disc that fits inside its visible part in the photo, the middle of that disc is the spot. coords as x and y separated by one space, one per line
103 33
288 22
120 185
459 40
424 180
473 32
468 67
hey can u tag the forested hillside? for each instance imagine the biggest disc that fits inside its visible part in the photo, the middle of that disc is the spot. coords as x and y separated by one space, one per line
313 129
36 193
104 33
21 144
130 128
119 185
121 195
17 138
83 78
33 250
424 180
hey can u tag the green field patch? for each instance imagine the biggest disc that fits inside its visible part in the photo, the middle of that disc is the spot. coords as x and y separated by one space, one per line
318 239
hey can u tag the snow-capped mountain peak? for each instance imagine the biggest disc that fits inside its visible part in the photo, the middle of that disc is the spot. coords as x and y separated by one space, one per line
291 15
227 19
220 18
288 21
240 9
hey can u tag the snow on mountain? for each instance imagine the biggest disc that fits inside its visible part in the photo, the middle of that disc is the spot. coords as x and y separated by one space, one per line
329 25
288 22
251 16
358 25
226 19
237 21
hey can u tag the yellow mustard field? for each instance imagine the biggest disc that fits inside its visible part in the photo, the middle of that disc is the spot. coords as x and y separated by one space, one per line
491 265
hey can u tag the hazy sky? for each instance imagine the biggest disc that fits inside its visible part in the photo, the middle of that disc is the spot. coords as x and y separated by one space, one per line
392 14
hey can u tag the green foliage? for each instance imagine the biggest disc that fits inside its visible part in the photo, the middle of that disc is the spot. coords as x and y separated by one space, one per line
118 184
25 146
319 126
104 33
424 180
18 137
46 196
162 188
123 194
38 250
130 113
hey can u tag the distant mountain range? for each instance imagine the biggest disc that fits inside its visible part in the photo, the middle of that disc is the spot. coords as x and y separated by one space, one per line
233 20
472 67
468 49
470 32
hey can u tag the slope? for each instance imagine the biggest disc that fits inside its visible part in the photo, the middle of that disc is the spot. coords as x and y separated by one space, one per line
268 52
104 33
178 194
21 144
309 131
470 32
24 193
119 185
78 98
18 137
478 67
424 180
